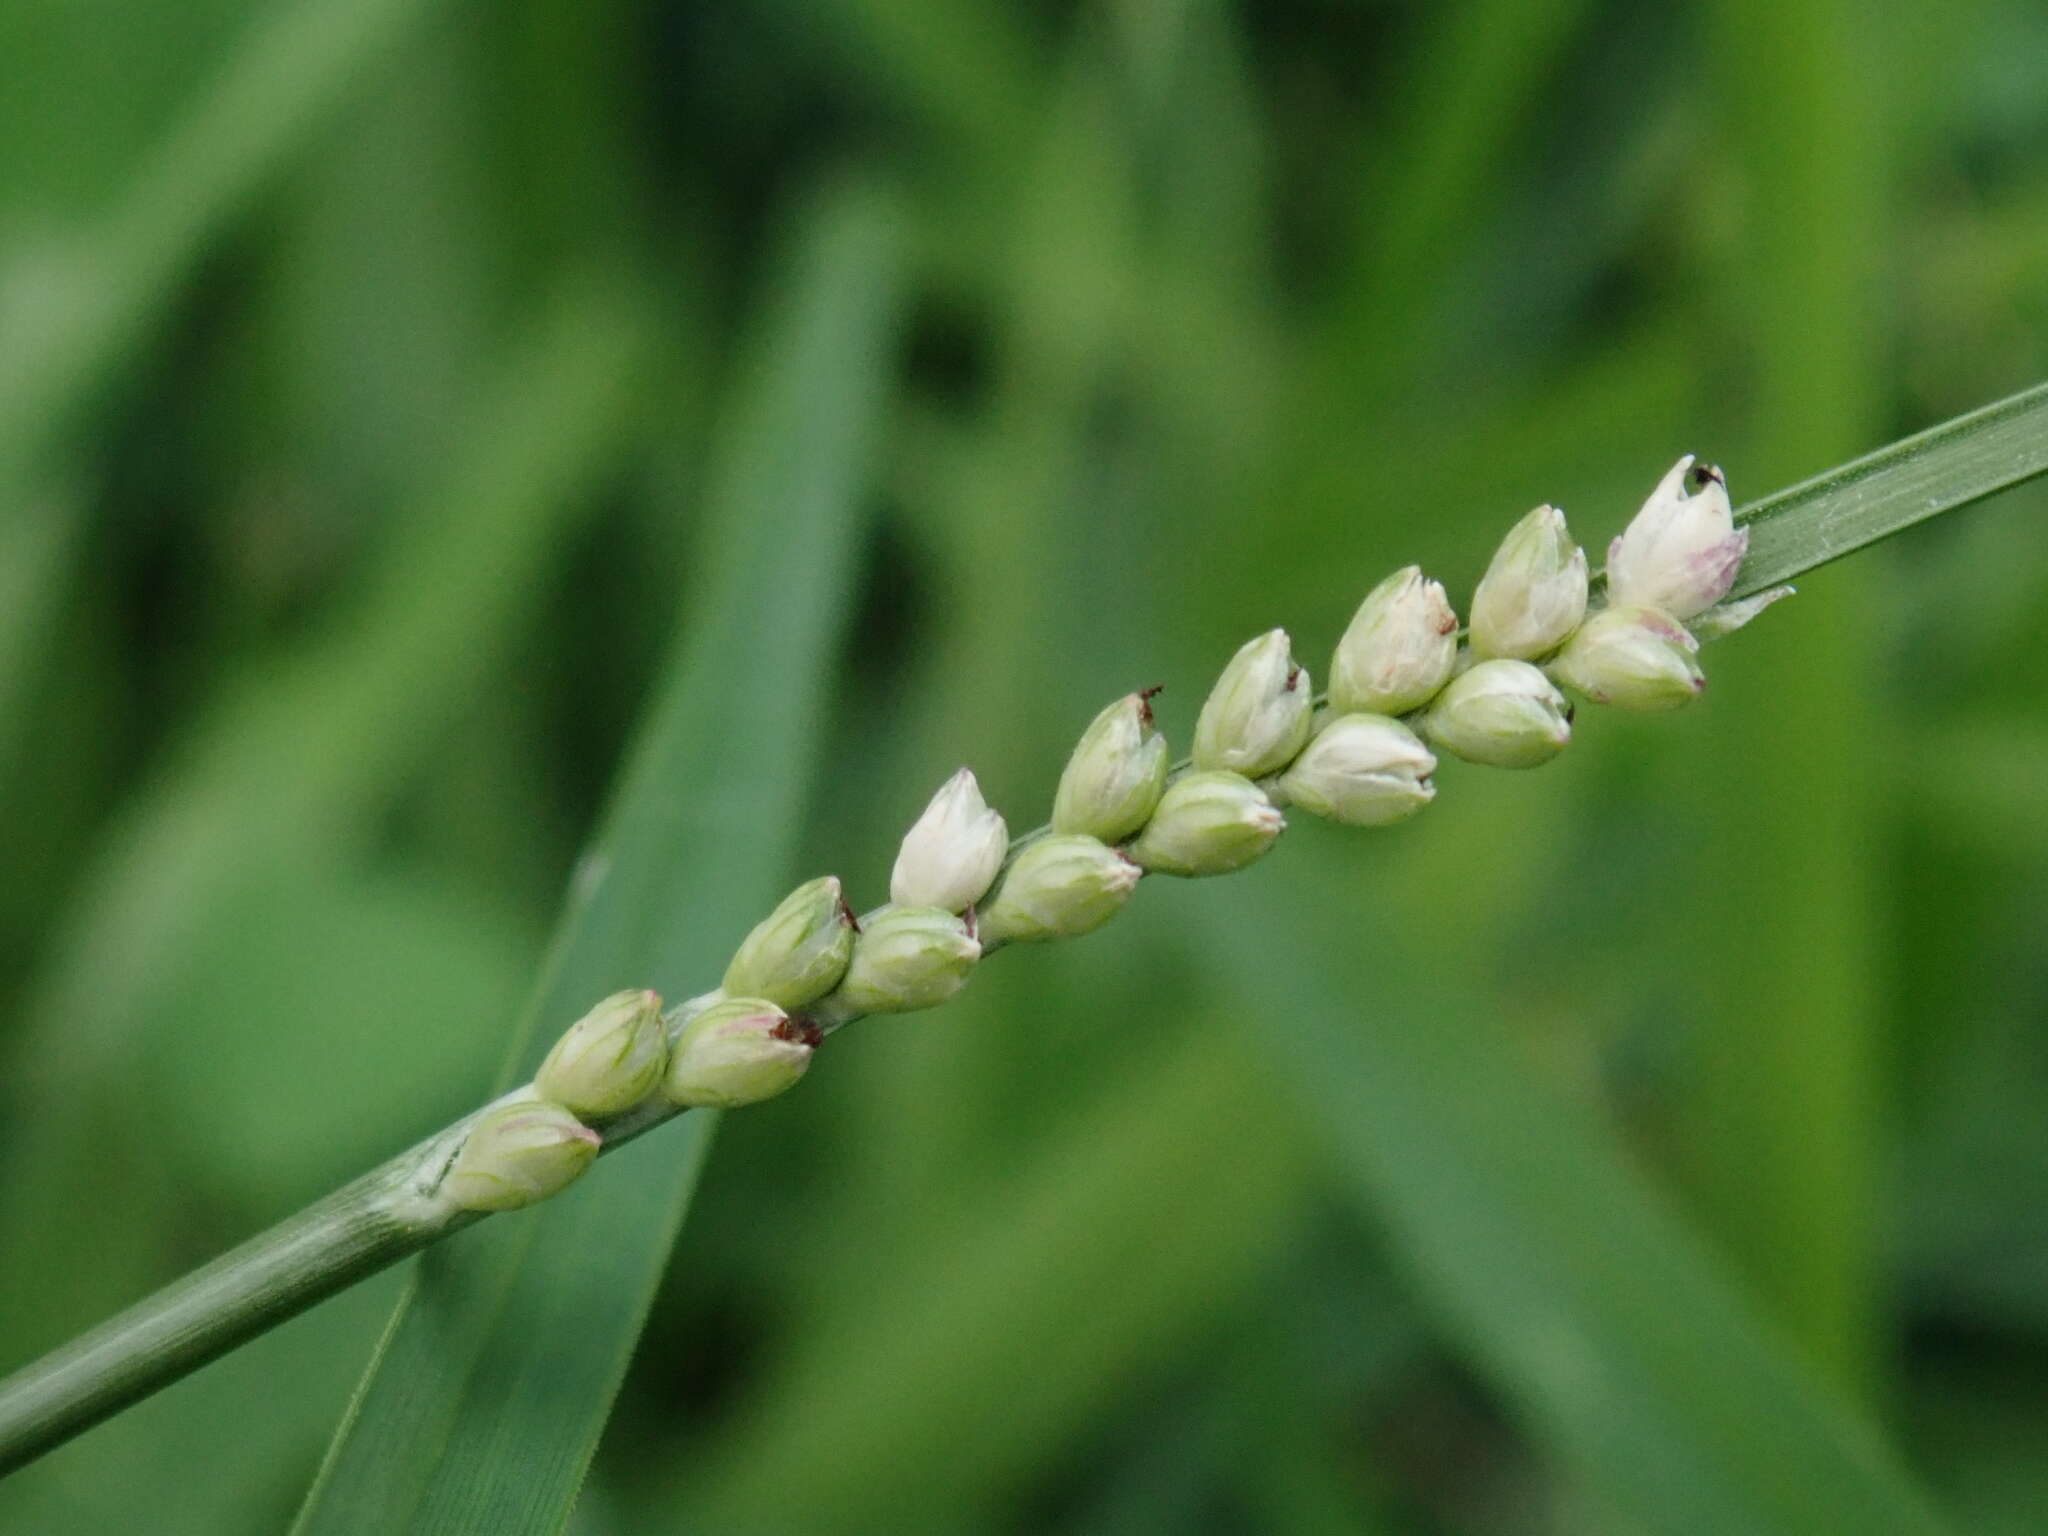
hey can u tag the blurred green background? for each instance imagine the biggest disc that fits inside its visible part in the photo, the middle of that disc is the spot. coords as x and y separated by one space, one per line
370 376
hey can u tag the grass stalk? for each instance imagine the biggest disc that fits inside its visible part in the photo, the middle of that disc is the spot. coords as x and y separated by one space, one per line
395 1210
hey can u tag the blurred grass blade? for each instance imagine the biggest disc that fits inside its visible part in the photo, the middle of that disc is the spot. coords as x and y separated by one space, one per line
294 63
485 1401
299 749
292 761
34 582
1779 1127
1946 467
1549 1258
970 68
1073 1279
1466 100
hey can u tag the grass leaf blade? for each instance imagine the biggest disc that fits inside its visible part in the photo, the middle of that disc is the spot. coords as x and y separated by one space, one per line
1946 467
1552 1262
486 1399
268 95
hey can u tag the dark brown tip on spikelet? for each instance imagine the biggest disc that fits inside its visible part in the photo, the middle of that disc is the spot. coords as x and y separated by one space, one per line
800 1032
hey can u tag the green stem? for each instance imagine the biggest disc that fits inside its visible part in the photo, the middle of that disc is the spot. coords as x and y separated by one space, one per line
395 1210
365 1226
351 1234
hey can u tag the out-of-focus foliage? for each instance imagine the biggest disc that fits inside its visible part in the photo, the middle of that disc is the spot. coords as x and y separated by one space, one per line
361 370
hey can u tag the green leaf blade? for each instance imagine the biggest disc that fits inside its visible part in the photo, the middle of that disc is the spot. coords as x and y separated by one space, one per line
488 1394
1553 1263
1947 467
